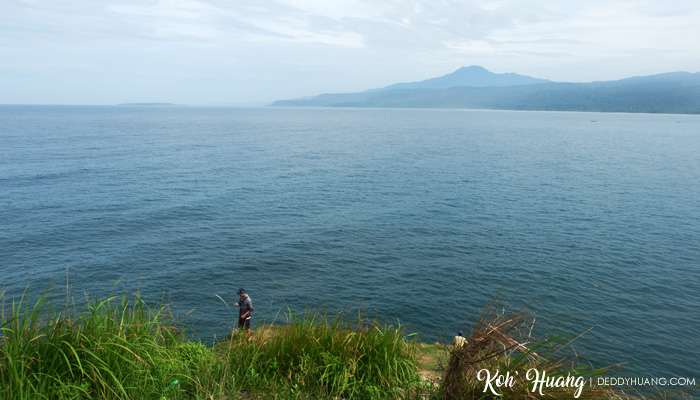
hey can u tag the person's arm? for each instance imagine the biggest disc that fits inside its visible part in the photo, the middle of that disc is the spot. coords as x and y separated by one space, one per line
249 307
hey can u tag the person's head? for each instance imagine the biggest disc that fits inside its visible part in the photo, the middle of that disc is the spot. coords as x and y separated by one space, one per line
460 333
241 292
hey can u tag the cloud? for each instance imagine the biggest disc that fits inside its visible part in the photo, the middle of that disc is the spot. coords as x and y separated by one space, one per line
311 46
335 10
182 9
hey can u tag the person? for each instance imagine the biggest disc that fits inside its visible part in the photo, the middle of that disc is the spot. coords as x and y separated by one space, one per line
459 340
245 305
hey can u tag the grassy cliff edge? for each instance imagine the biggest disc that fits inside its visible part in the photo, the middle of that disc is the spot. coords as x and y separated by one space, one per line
123 348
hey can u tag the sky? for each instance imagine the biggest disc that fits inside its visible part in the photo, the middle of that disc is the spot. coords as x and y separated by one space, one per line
252 52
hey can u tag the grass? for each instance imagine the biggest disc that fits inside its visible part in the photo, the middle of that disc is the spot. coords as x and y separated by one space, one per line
113 348
432 359
324 357
123 348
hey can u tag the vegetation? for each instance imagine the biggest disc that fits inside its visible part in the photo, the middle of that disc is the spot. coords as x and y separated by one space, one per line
321 357
124 348
674 93
115 348
503 344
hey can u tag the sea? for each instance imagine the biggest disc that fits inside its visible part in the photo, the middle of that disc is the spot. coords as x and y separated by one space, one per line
416 216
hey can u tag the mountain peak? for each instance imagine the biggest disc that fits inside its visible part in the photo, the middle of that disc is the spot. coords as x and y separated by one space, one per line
473 76
472 68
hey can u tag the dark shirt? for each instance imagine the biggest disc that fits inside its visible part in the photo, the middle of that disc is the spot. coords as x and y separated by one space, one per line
245 305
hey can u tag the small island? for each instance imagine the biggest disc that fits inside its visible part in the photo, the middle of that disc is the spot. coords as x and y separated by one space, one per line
149 104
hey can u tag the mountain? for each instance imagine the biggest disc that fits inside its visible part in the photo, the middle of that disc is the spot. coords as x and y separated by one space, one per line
676 92
473 76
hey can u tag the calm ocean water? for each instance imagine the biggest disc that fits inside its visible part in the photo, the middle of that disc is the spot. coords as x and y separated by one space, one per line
421 215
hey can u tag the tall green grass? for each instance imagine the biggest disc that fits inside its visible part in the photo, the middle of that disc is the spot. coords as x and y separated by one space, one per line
325 356
115 348
124 348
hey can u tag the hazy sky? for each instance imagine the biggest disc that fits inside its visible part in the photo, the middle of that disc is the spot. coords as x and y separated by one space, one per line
234 52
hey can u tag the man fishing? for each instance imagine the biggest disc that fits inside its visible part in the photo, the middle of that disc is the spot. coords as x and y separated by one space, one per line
245 308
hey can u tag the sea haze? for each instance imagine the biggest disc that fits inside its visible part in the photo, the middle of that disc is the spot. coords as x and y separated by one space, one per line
419 215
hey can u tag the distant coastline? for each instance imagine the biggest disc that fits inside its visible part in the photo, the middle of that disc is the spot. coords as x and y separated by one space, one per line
477 88
149 104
